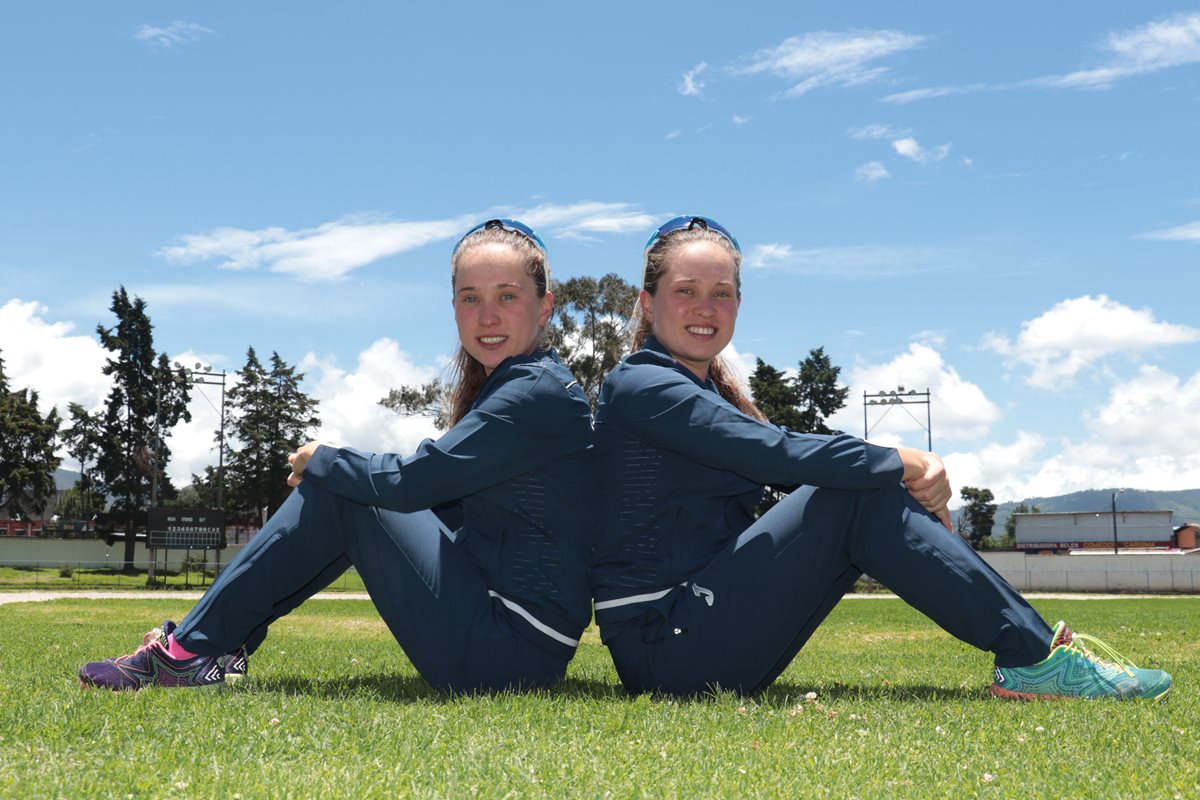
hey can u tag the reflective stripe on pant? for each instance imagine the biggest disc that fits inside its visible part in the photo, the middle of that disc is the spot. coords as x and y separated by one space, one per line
741 620
433 598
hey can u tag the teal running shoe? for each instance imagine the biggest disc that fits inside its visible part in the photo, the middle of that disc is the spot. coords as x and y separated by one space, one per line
1072 670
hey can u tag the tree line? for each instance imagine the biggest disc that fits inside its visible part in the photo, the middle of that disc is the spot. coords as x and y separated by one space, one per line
123 450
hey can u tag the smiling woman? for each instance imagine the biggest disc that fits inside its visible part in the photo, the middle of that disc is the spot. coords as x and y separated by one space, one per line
490 591
693 592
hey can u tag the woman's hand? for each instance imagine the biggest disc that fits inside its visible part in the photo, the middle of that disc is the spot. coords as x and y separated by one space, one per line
926 480
299 460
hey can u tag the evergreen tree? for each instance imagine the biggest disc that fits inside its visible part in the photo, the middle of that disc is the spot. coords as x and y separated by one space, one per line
27 445
976 518
270 417
776 395
818 391
83 438
800 404
146 400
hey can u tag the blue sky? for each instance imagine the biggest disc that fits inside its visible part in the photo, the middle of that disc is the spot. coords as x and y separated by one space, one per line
1002 205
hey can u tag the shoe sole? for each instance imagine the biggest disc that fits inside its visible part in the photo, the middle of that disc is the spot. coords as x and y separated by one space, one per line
212 687
1008 694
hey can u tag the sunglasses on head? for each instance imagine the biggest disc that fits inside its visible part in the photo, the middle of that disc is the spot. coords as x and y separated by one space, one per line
508 225
687 223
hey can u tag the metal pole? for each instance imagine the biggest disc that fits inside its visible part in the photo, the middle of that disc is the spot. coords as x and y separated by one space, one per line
1114 510
864 414
221 450
929 417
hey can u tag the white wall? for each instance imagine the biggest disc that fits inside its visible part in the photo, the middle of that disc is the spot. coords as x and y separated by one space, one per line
22 551
1098 573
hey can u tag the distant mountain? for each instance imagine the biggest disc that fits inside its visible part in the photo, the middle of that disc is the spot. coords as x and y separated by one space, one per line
65 479
1184 505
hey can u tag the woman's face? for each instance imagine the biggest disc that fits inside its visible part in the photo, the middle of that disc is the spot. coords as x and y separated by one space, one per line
695 307
496 305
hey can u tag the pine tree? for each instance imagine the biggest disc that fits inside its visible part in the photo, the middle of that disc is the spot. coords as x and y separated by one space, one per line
800 404
776 395
818 392
270 417
27 445
83 438
146 400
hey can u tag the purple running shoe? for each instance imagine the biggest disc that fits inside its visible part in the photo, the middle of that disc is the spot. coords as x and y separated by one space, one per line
236 664
152 665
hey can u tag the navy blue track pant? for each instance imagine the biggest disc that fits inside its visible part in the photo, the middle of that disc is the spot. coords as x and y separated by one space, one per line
433 598
743 618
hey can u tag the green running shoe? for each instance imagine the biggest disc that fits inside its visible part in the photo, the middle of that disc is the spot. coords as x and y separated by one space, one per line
1072 670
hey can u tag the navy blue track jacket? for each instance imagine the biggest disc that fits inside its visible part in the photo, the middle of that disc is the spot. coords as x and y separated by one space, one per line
517 465
680 471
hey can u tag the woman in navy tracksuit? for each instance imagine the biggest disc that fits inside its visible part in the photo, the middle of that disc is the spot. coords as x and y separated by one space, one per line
692 592
491 591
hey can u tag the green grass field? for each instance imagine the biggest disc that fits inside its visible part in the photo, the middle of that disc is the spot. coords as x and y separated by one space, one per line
333 709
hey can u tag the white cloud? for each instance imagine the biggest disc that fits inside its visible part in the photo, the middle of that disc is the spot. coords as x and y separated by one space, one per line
331 250
1189 232
967 161
675 134
876 131
1077 333
350 411
1152 47
853 261
740 120
176 33
1154 414
827 58
582 220
959 407
913 95
691 85
1155 46
45 356
1002 468
871 172
323 253
910 148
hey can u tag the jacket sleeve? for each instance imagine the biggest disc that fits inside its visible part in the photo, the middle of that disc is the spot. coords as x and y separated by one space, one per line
665 409
527 422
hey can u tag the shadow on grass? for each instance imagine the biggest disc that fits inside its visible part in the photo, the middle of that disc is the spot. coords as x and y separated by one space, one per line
413 688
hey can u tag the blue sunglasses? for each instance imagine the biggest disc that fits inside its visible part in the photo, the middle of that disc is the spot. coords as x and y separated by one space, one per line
508 225
687 223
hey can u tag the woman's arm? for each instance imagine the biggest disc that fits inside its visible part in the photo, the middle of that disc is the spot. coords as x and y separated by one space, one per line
662 407
527 422
926 480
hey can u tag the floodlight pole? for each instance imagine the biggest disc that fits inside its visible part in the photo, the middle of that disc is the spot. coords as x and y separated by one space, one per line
900 397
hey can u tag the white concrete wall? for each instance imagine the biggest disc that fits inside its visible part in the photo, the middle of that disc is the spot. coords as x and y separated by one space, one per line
1098 573
22 551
